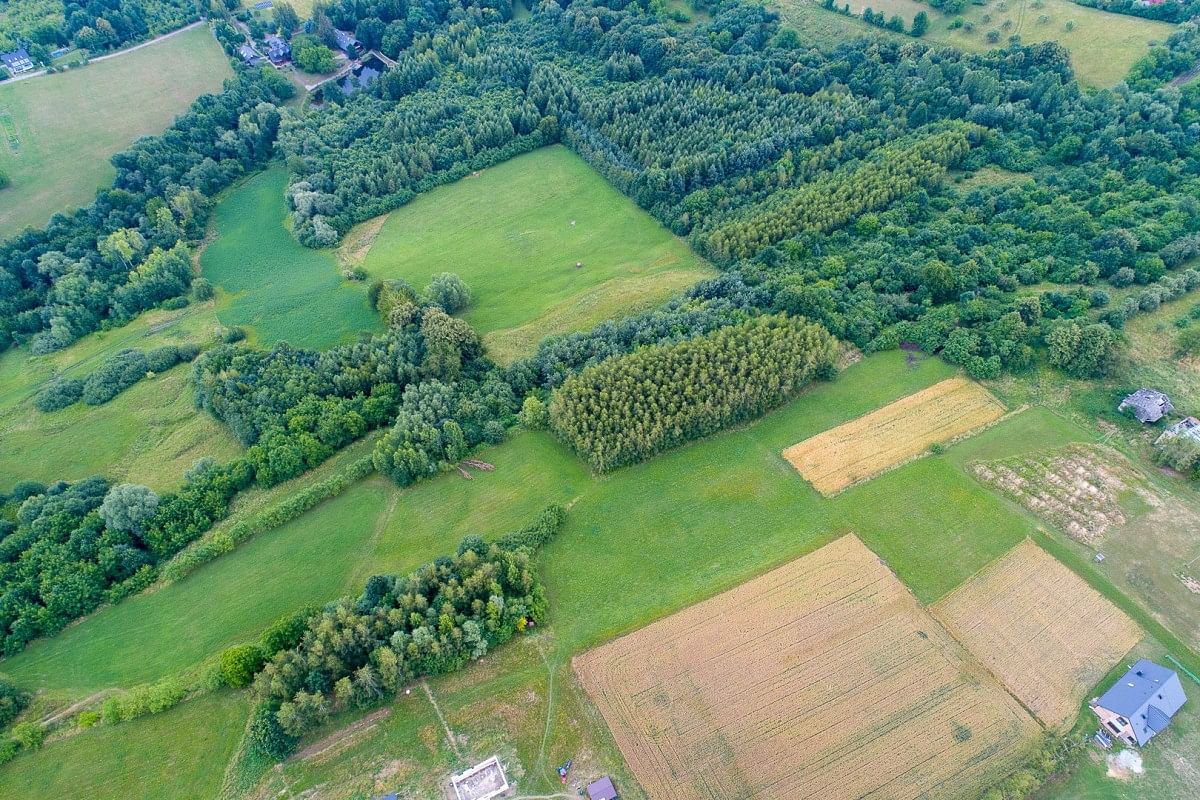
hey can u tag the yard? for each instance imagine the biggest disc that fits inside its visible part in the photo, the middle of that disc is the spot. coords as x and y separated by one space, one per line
63 129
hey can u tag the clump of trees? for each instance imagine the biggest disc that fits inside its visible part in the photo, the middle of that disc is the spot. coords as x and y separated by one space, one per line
436 620
115 375
1181 453
628 408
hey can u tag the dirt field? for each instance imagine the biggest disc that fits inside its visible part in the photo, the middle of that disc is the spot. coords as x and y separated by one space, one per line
1037 626
888 436
790 685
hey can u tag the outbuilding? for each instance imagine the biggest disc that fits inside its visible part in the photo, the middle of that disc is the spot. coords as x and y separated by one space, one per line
1188 428
1141 704
602 789
1148 405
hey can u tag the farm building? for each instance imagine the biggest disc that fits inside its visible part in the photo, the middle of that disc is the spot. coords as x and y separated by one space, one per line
17 61
278 51
1148 405
1189 427
602 789
348 44
1141 704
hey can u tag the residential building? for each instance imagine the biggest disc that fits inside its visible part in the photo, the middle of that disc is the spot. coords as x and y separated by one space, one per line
17 61
1148 405
1141 704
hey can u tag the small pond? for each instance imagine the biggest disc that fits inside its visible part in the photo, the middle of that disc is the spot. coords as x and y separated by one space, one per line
361 76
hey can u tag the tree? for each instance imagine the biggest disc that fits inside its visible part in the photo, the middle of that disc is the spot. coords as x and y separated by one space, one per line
128 506
1082 352
239 664
534 414
286 18
920 24
448 291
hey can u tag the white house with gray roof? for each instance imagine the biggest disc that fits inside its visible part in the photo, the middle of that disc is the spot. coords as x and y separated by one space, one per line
1141 704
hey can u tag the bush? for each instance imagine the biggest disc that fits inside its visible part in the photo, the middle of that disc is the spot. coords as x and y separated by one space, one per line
59 394
23 490
266 736
239 664
8 750
448 291
29 735
202 289
234 334
12 702
114 376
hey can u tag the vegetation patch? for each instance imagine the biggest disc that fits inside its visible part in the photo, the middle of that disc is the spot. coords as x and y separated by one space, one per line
1046 634
790 683
891 435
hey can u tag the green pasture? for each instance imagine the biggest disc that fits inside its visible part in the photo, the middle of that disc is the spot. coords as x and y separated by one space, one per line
178 754
1103 45
515 234
149 434
61 130
271 284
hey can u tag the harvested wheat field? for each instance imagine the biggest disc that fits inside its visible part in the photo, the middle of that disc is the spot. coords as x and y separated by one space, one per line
888 436
1040 628
821 679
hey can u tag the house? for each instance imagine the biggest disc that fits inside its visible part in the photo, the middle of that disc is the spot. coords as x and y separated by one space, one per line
602 789
1189 428
348 44
1149 405
250 55
1140 704
263 5
17 61
278 51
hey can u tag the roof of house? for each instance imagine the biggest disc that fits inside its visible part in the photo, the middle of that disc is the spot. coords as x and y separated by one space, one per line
1188 426
1148 404
602 789
13 57
345 40
248 53
1148 695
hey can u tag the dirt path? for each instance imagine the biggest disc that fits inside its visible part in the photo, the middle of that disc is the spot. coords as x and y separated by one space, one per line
338 737
26 76
445 725
1190 75
76 706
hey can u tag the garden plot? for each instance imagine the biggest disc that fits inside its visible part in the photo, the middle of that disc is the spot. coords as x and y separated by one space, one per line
791 684
837 458
1040 628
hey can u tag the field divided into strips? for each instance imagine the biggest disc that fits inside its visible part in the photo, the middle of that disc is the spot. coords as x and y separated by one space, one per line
888 436
1040 628
823 678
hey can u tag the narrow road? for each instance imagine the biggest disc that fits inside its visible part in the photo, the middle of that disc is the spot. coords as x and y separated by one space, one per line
27 75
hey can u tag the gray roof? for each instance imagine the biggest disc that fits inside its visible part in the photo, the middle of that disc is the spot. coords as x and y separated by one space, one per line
1189 427
346 40
1149 405
1148 695
15 57
602 789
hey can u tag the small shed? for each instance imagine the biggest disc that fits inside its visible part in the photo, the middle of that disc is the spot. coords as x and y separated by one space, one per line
602 789
1148 405
1188 427
17 61
1141 704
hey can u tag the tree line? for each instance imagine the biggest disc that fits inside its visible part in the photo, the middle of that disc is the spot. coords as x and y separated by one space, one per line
116 374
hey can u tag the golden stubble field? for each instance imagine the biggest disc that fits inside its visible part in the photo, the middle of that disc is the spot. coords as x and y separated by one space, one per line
840 457
821 679
1046 634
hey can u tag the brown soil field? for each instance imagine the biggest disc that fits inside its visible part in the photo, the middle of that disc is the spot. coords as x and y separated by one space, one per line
821 679
1040 628
890 436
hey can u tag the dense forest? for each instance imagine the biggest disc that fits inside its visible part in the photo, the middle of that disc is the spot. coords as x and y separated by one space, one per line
43 26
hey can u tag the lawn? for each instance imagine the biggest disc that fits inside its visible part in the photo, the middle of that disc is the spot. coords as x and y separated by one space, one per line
150 433
1103 45
67 126
544 243
271 284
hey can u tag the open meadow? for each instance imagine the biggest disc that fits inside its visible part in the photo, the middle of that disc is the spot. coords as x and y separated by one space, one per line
1103 45
1046 634
787 685
61 130
543 242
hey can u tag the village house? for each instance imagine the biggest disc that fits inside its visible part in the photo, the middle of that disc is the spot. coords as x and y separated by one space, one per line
278 51
1141 704
1188 427
1148 405
348 44
250 55
17 61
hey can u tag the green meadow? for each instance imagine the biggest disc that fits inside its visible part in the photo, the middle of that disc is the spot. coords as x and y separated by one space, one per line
61 130
544 243
268 282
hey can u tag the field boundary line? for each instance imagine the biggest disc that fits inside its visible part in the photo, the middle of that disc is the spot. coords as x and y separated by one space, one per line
450 739
925 453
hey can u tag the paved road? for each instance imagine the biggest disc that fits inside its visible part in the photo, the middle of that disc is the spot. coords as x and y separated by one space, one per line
27 75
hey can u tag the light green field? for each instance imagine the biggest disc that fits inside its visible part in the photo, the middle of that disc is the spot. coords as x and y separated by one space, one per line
515 233
1103 45
269 282
178 754
69 125
150 434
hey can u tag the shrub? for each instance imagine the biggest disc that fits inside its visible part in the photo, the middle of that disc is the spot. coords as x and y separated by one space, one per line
12 702
234 334
448 291
239 664
8 750
114 376
266 736
59 394
202 289
88 719
29 735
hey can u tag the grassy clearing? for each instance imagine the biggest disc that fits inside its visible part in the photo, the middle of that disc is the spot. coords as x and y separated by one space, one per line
515 233
269 282
70 124
1103 46
1153 360
179 754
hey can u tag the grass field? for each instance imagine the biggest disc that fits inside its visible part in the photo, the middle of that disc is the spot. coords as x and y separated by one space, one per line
1047 635
69 125
788 684
1103 45
269 282
150 433
856 451
515 233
